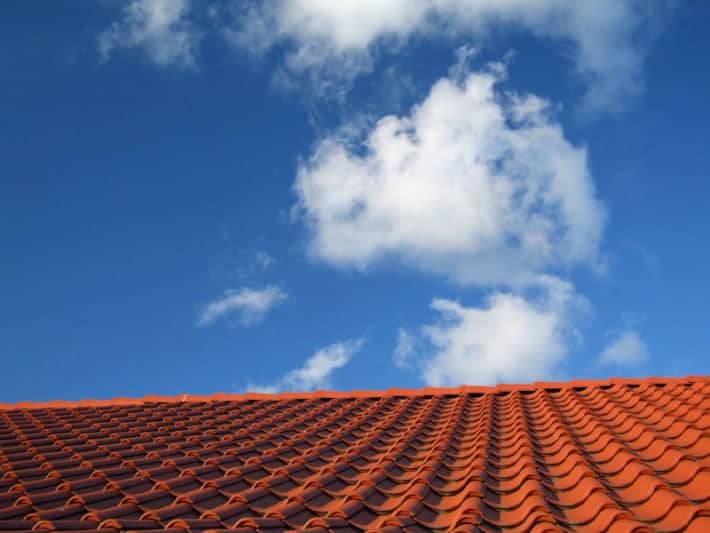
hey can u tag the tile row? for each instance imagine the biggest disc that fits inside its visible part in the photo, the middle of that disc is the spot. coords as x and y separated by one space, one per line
610 458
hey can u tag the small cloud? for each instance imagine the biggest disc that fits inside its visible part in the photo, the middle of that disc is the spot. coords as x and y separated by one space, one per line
404 350
625 349
511 337
648 258
252 305
253 263
263 389
263 260
159 27
316 371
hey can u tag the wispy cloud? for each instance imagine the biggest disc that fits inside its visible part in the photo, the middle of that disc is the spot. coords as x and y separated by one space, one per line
331 43
159 27
626 348
263 260
254 262
251 305
316 371
404 349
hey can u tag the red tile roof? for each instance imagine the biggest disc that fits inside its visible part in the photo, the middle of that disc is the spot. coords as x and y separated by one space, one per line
618 455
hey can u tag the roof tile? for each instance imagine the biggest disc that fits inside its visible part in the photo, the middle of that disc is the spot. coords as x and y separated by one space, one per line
619 455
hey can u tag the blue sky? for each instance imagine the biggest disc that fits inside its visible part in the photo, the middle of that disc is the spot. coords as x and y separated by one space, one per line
199 197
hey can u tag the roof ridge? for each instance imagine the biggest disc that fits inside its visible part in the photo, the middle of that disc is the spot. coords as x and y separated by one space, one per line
393 391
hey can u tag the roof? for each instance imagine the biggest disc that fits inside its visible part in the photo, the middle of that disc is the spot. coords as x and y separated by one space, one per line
616 455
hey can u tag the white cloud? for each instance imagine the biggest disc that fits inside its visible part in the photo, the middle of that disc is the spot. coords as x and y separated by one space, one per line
255 262
316 371
626 349
405 348
159 27
336 41
251 305
263 389
475 183
510 338
250 263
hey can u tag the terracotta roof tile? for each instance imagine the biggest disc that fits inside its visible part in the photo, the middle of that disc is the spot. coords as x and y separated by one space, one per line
620 455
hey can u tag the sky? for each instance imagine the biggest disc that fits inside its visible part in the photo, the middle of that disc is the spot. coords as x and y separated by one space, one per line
294 195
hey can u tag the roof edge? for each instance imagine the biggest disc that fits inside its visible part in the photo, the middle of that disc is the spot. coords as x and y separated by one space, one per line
425 391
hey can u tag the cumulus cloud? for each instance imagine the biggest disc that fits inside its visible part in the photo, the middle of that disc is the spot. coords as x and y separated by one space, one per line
334 42
625 349
511 337
316 371
159 27
476 183
251 305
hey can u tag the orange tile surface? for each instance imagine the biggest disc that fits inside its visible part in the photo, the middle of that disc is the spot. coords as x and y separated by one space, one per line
619 456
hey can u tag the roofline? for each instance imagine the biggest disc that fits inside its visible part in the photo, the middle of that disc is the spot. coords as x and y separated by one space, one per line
425 391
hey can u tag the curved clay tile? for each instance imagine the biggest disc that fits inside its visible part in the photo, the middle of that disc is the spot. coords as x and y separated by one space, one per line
619 455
